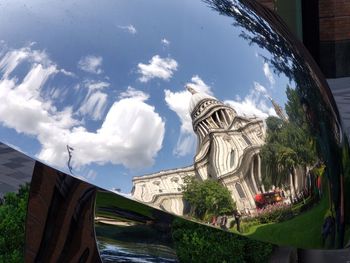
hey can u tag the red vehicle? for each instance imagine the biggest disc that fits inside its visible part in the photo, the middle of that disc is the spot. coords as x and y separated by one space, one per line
264 199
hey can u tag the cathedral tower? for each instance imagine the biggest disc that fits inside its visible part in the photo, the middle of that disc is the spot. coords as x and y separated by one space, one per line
208 115
227 151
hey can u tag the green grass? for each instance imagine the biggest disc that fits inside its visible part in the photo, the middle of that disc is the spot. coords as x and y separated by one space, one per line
303 231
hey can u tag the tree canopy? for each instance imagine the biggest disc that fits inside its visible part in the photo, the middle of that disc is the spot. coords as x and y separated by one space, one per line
288 144
207 198
12 225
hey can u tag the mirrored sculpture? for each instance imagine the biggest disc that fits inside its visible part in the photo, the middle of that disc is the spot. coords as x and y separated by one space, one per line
171 111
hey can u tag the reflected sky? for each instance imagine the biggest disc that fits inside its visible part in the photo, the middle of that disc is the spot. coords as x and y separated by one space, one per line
107 78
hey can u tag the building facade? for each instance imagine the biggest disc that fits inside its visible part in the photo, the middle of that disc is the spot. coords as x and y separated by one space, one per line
227 151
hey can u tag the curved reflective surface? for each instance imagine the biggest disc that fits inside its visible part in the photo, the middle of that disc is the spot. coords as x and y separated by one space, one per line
150 98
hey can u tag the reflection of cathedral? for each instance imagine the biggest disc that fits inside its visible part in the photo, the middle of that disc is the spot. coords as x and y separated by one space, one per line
228 151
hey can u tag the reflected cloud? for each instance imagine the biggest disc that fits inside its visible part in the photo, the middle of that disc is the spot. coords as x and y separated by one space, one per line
91 64
258 119
254 104
95 102
134 93
268 74
129 28
179 102
165 42
158 67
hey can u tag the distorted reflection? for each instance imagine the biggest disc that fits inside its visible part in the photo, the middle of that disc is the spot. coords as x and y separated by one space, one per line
206 109
285 171
131 232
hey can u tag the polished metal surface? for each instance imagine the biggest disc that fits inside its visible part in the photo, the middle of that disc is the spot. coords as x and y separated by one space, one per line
97 90
60 221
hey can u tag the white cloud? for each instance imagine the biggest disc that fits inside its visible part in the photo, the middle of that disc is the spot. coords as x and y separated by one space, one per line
158 67
129 28
55 93
254 104
67 73
179 103
268 74
165 42
91 64
198 84
95 102
119 140
96 85
94 105
133 93
260 88
11 59
91 175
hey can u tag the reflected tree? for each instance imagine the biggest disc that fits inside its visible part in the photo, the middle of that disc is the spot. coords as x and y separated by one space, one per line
289 146
13 210
262 27
207 198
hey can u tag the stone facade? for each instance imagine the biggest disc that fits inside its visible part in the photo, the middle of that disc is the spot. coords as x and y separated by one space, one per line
228 151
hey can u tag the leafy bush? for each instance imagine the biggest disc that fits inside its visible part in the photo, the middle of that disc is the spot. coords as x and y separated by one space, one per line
12 225
275 213
199 243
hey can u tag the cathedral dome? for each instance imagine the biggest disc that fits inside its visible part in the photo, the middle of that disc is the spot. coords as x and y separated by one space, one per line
197 98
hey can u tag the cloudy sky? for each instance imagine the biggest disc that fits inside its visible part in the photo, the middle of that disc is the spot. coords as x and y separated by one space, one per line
107 78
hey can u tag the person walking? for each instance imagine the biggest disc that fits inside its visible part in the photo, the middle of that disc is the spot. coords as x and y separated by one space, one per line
237 216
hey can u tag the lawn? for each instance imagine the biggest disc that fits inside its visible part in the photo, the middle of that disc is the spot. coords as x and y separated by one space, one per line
303 231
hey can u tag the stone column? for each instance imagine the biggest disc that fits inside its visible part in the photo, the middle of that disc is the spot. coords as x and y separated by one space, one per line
248 194
253 177
296 180
259 174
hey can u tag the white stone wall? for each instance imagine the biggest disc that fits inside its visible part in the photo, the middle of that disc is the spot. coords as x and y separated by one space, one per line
146 188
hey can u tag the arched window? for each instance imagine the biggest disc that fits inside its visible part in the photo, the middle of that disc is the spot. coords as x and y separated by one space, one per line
240 190
232 158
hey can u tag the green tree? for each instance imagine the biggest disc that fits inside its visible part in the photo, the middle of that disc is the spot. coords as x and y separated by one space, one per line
287 147
207 198
274 172
12 225
288 144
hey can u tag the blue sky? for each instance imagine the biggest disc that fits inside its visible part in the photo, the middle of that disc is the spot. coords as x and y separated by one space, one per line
108 77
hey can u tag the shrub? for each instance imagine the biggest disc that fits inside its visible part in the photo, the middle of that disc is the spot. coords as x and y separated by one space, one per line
274 213
199 243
